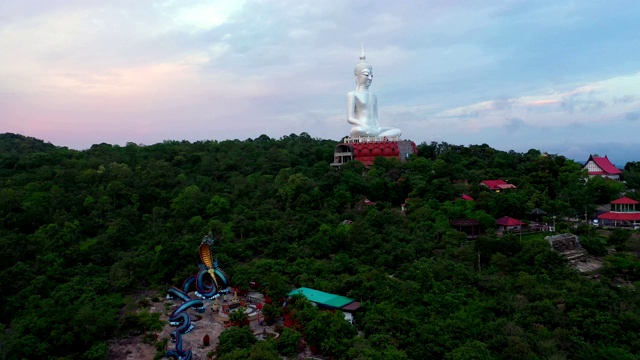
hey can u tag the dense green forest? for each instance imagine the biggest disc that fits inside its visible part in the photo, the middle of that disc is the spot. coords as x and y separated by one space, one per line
83 232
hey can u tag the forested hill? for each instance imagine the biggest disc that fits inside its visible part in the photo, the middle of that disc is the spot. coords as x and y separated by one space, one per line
82 232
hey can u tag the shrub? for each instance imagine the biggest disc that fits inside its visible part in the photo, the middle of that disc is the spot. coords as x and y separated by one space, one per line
235 338
595 245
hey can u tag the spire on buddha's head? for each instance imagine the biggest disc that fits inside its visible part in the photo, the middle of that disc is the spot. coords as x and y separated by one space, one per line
362 64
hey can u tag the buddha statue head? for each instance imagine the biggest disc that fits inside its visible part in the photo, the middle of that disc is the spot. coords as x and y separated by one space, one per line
363 72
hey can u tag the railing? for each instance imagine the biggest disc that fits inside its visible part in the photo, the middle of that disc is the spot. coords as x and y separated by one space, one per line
368 139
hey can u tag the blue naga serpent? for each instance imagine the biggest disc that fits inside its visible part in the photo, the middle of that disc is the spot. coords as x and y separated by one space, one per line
178 353
207 290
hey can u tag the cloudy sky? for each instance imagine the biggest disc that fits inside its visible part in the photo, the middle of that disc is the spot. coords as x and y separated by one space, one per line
559 76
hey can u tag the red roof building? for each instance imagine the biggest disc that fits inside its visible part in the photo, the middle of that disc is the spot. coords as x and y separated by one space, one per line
509 221
601 166
497 185
506 223
466 197
623 209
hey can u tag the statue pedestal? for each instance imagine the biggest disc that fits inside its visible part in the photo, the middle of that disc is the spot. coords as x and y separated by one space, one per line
366 149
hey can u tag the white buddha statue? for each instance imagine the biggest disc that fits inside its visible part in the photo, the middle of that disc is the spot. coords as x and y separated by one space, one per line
362 106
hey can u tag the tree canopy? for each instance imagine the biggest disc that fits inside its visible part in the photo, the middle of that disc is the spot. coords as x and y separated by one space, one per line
81 231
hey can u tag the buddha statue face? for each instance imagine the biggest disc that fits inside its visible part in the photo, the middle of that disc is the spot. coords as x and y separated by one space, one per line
364 78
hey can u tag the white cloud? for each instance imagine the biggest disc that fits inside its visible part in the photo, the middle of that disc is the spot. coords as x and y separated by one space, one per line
596 102
206 15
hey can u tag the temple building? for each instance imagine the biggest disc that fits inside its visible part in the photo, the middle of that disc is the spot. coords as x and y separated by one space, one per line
601 166
622 210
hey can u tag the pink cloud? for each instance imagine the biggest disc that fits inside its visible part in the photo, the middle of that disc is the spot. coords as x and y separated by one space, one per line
543 102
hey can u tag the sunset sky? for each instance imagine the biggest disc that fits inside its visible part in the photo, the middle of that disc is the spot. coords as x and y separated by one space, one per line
559 76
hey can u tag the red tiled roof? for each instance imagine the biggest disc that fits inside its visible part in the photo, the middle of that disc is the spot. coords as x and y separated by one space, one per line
629 216
624 201
498 184
368 202
508 221
466 197
605 165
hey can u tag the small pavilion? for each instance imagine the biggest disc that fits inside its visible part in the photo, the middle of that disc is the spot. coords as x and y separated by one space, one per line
537 214
623 209
471 227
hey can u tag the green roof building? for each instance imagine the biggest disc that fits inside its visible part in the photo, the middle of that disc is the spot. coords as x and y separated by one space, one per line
327 300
